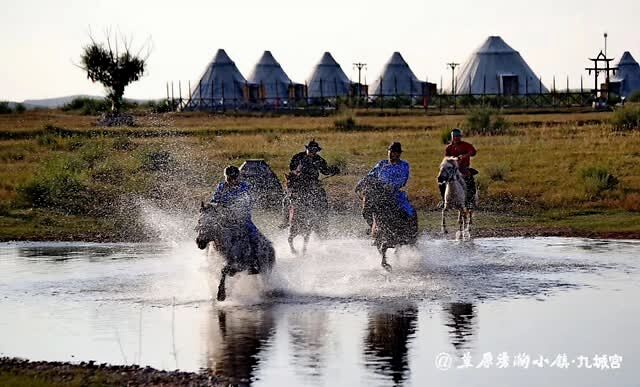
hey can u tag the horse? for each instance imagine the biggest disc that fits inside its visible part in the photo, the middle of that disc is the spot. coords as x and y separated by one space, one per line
455 197
240 250
391 227
307 210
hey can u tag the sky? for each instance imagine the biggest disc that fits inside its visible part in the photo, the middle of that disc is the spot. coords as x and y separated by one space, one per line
41 41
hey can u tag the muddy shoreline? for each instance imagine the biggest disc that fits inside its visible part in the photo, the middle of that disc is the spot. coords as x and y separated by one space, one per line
15 371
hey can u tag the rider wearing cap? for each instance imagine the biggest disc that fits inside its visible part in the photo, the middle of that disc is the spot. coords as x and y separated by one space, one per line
232 193
394 173
463 151
308 165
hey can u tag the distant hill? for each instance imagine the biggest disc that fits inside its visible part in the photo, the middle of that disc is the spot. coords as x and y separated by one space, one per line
58 102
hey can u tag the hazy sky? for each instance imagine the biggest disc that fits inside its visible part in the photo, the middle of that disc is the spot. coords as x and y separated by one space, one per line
41 40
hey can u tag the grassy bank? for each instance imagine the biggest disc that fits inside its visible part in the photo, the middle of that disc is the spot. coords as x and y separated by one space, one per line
63 178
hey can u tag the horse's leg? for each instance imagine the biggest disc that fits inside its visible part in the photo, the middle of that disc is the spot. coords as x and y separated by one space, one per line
383 250
222 293
444 226
306 242
469 217
459 234
290 240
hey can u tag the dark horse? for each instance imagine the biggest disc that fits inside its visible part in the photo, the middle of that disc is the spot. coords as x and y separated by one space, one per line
391 227
307 209
240 250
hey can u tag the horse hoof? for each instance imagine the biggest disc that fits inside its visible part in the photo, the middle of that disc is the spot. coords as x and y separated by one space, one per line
386 266
222 295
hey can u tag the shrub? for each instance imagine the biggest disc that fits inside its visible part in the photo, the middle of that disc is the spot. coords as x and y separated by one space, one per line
19 108
88 106
348 123
445 136
484 121
57 185
626 118
597 180
156 160
498 172
634 97
122 143
5 108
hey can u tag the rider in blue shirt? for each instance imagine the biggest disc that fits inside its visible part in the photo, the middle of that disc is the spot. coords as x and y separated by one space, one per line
234 194
394 173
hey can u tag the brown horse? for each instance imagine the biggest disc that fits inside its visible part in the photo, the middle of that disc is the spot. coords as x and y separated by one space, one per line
241 250
307 209
391 227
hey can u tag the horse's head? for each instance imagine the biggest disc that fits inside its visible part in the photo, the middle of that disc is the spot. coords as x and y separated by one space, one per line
374 192
211 224
448 169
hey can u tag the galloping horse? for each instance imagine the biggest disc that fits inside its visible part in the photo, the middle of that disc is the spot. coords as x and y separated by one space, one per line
231 239
306 213
391 227
455 197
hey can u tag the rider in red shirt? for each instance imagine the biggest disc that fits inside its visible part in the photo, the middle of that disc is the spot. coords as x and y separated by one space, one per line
463 151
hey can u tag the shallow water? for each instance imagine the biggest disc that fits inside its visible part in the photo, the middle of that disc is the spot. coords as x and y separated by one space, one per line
335 317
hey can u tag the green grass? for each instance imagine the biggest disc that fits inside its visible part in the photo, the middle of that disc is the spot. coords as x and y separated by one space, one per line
537 170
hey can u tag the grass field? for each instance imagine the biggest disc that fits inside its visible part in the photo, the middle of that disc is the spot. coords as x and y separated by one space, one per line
551 173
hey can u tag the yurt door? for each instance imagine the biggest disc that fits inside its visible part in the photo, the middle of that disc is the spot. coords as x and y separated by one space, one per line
510 84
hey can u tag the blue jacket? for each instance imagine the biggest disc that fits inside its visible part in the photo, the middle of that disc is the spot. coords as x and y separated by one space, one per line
238 198
396 176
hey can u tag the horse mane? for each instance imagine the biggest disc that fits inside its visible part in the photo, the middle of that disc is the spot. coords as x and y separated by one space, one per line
449 160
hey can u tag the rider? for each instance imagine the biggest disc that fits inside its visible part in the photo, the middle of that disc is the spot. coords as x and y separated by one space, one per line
463 151
394 173
232 193
308 165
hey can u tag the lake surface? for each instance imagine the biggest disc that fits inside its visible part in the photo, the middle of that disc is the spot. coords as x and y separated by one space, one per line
526 312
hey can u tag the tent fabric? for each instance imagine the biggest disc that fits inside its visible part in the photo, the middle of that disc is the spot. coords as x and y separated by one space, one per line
269 74
396 78
220 79
327 79
628 75
490 64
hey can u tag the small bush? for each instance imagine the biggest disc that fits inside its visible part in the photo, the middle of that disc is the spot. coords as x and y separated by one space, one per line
87 106
5 108
634 97
157 160
626 118
498 172
483 121
597 180
123 143
345 123
445 136
19 108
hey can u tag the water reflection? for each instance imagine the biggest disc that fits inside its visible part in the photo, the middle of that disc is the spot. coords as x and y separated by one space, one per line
308 332
235 340
461 323
387 341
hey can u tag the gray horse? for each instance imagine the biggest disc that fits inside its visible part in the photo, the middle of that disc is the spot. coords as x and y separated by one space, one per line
455 197
241 250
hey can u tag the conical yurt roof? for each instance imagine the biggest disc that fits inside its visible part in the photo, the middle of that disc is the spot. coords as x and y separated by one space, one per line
481 73
268 73
220 79
327 79
396 78
628 75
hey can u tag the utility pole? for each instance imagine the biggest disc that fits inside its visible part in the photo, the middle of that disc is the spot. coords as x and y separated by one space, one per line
359 66
605 44
453 71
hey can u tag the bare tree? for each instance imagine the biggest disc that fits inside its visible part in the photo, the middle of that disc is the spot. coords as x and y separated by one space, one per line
113 66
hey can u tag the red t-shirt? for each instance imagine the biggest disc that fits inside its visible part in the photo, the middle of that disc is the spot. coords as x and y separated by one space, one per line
461 148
